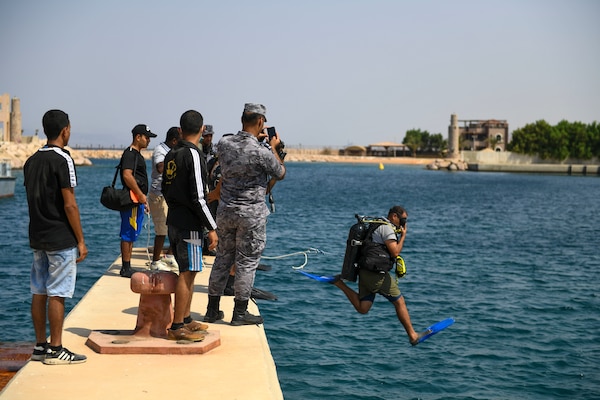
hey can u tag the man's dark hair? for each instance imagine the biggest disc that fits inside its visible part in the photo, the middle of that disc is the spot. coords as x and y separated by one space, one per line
191 122
398 210
250 118
172 133
54 121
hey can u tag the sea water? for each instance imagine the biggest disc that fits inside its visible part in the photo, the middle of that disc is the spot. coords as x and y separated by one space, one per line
514 258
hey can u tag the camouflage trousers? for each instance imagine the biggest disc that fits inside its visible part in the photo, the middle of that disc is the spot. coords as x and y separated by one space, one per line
241 242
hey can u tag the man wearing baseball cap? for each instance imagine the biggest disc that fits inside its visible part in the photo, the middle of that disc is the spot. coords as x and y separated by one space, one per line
135 178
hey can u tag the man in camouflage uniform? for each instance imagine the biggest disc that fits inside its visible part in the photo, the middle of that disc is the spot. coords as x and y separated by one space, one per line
246 166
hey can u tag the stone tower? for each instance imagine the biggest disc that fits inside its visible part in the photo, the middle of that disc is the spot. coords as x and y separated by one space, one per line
453 137
4 117
15 120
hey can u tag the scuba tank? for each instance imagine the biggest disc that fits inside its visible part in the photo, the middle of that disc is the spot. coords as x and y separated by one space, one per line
357 234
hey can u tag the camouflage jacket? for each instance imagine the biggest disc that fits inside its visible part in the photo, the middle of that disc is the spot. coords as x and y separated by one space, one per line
246 167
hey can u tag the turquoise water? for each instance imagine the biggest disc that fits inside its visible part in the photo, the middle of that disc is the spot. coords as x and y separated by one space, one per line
512 257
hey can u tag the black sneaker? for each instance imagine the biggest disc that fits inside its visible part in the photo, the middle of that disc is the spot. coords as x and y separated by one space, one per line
246 319
212 316
126 272
63 356
39 352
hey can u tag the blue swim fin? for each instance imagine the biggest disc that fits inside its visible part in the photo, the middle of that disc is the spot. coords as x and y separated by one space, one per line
433 329
320 278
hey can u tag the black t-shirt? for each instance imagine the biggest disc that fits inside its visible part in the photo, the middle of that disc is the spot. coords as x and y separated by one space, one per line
45 173
133 160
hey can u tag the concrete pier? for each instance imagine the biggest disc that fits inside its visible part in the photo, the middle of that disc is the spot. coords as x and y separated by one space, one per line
506 161
565 169
241 367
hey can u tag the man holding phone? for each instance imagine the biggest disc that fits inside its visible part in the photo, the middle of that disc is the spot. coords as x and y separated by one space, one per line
246 166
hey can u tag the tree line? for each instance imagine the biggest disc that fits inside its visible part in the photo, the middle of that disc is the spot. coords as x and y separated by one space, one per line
424 142
564 140
574 140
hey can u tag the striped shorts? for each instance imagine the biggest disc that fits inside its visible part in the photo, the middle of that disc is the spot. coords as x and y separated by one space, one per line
187 248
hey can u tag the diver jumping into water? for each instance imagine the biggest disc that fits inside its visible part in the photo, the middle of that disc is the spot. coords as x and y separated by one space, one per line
376 258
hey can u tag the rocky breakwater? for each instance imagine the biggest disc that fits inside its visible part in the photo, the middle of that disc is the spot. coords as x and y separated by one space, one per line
18 153
449 165
110 154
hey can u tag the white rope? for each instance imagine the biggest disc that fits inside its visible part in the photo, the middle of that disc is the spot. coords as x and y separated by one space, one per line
305 253
147 225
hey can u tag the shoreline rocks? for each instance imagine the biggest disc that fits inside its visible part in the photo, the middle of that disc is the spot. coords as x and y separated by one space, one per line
447 164
18 153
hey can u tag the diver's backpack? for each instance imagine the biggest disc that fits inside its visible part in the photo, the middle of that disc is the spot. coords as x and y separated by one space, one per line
359 232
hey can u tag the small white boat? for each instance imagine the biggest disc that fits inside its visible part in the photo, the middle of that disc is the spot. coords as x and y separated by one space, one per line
7 181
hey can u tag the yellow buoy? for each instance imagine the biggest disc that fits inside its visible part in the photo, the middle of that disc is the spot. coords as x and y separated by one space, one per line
381 166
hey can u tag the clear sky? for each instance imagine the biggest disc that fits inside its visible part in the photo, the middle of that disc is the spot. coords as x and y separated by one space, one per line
330 72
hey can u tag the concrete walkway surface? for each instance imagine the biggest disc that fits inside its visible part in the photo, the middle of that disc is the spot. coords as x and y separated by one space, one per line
241 367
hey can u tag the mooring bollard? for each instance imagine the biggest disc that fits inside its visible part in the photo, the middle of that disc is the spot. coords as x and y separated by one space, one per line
155 313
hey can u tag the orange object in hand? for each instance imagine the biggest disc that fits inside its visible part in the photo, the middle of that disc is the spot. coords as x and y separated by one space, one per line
133 196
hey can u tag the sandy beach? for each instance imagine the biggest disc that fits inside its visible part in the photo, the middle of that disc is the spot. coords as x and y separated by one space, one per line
293 155
19 152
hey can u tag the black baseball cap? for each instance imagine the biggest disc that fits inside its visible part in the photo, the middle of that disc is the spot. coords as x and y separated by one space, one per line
142 129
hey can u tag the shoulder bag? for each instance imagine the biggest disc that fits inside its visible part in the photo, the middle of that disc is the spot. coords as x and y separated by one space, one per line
117 199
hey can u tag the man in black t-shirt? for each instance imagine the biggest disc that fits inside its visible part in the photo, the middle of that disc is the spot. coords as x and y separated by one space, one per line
55 235
134 177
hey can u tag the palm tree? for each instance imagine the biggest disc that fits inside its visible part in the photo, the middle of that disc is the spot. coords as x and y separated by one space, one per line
413 140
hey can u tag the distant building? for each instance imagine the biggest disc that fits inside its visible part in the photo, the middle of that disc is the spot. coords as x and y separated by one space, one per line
354 151
10 119
381 149
474 134
387 149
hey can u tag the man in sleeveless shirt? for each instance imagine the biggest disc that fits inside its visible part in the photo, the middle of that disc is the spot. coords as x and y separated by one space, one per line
157 203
